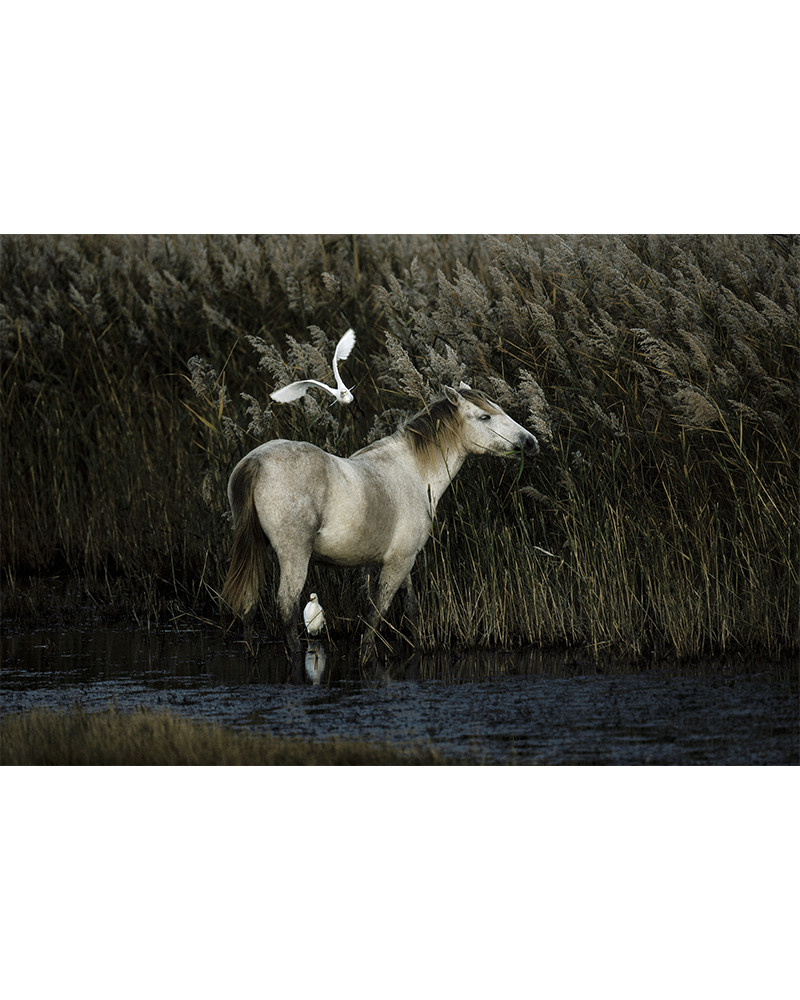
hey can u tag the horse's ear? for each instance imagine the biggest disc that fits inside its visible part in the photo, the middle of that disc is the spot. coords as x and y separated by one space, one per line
452 395
463 385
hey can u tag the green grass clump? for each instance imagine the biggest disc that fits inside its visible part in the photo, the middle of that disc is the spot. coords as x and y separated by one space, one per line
660 373
144 737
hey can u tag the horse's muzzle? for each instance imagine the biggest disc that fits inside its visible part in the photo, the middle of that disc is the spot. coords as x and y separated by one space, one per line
529 445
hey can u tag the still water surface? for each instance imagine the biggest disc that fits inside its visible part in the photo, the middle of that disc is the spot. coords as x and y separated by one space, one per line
521 707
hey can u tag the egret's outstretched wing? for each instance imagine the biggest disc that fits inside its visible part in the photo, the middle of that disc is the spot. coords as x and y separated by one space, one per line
345 346
342 352
342 394
297 389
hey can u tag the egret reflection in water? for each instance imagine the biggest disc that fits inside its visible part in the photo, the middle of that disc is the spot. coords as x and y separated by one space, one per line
315 662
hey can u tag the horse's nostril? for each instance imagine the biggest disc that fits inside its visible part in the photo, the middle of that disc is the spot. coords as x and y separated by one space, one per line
530 446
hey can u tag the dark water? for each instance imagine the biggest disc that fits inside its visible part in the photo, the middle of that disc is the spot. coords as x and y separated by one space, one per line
523 708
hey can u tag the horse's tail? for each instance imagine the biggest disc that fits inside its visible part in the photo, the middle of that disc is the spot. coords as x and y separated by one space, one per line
250 545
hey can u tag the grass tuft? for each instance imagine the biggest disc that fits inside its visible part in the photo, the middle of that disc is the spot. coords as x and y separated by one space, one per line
144 737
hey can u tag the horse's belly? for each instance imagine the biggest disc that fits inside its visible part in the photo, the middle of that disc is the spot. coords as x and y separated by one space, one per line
353 534
363 519
351 545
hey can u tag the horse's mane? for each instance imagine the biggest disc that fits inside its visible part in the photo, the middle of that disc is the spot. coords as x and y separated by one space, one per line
439 425
434 428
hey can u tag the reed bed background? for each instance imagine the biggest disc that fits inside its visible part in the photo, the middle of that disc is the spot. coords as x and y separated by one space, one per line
659 372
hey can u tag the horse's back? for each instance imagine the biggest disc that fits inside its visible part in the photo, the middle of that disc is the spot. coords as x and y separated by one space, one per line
298 456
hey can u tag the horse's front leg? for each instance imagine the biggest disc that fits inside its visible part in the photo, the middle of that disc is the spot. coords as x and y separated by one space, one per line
392 576
411 609
410 619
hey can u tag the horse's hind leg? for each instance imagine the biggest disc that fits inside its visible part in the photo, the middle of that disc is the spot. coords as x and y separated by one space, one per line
294 569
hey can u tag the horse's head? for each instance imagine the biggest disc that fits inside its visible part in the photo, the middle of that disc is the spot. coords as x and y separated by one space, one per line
486 428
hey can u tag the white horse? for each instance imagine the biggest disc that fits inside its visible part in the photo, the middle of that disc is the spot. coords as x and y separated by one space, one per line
375 507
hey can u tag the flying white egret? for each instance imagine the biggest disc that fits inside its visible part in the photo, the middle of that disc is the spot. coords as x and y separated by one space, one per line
341 393
314 616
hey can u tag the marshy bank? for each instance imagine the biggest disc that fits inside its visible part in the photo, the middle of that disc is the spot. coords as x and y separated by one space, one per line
660 374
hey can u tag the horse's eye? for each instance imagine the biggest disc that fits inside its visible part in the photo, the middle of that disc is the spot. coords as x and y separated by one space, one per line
485 416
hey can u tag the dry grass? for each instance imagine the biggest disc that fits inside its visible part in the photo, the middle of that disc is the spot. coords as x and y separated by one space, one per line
41 737
660 373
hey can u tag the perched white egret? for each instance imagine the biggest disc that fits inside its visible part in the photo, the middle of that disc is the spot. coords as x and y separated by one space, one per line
341 393
313 616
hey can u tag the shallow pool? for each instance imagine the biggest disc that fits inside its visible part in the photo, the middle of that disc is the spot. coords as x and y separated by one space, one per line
502 707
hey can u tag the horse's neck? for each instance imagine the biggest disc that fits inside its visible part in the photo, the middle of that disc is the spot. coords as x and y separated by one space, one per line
439 472
433 472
